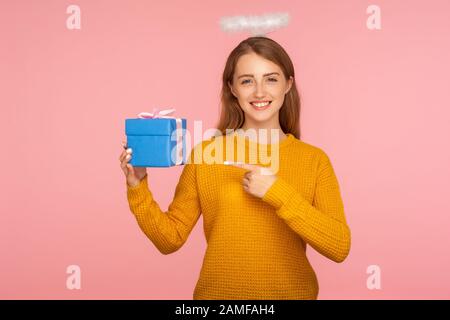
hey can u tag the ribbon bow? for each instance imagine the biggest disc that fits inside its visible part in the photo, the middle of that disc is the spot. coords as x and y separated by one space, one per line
156 114
179 131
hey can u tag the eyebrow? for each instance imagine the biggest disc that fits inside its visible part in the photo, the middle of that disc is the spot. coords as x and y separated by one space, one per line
250 75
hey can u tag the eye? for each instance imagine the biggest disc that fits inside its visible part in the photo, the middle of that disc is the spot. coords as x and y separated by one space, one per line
270 79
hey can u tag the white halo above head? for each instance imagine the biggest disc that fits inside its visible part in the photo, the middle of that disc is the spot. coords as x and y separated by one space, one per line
256 25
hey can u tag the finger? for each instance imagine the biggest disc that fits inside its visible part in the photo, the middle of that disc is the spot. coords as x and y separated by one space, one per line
246 166
266 172
125 153
122 155
127 167
248 175
245 182
125 170
130 169
123 165
125 161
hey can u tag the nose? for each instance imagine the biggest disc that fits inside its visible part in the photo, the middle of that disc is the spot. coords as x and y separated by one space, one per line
259 90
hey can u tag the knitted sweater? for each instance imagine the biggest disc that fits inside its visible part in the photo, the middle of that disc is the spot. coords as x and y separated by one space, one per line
256 247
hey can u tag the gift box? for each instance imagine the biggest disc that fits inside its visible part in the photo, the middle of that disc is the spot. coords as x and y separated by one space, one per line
157 140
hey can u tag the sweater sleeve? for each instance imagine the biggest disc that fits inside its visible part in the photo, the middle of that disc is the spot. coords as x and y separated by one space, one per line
322 224
167 230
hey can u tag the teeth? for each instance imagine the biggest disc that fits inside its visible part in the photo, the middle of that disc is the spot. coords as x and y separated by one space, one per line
259 105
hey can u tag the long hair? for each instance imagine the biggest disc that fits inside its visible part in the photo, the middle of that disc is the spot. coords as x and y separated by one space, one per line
232 116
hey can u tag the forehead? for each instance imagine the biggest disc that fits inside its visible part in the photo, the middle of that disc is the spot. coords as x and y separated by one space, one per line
254 64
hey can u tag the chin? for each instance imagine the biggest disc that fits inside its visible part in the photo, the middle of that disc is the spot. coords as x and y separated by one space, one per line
259 116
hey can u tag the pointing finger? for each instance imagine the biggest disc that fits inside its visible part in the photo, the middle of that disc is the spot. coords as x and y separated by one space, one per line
251 167
246 166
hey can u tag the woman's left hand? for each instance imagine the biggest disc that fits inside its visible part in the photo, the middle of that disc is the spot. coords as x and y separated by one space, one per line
257 180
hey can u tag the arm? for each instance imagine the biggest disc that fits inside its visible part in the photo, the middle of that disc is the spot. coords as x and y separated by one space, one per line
167 230
322 224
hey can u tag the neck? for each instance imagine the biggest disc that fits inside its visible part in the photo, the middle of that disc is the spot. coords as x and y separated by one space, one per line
265 136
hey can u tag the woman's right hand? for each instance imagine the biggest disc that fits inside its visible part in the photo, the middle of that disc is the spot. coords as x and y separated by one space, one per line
133 175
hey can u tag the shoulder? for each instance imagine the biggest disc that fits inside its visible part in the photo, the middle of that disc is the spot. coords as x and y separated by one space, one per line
309 149
317 154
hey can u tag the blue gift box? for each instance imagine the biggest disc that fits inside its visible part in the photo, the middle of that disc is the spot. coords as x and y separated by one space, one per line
153 144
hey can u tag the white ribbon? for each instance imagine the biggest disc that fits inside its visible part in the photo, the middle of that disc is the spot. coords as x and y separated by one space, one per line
164 115
156 114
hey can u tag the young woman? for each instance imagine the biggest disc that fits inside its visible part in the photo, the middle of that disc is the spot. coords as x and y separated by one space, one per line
257 224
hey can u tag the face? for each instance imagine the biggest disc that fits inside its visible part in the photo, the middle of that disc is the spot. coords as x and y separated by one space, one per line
260 87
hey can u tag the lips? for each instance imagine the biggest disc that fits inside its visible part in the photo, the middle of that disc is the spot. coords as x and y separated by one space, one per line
260 105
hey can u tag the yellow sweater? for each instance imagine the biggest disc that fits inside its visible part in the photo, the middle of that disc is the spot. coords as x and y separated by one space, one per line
256 248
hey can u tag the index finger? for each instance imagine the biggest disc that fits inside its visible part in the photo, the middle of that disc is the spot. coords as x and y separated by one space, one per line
251 167
246 166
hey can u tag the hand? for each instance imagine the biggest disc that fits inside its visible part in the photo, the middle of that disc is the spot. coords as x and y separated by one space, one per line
133 175
257 180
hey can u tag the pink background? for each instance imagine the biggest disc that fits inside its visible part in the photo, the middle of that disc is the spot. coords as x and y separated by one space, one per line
375 100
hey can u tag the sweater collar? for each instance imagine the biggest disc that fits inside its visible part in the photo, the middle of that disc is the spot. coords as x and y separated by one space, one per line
285 142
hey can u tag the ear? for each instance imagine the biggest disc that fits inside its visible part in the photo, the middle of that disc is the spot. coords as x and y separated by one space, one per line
290 82
231 88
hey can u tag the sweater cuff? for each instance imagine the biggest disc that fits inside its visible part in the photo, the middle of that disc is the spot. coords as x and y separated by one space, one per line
139 191
279 193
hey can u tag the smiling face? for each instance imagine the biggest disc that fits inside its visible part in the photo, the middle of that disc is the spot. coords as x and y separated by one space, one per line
260 87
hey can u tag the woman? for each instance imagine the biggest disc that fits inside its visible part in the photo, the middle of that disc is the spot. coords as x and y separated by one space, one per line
257 223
